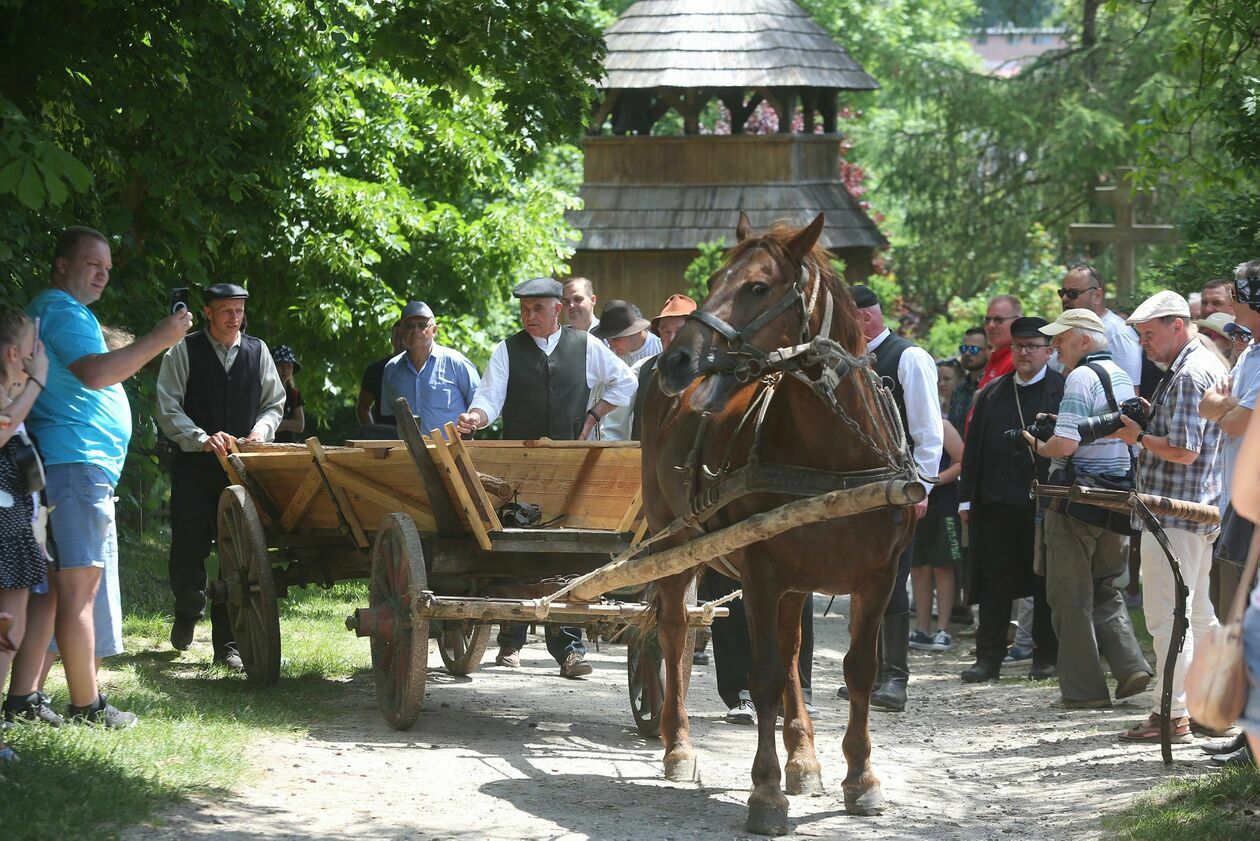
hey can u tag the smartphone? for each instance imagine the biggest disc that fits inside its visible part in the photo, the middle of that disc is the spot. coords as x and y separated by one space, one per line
178 300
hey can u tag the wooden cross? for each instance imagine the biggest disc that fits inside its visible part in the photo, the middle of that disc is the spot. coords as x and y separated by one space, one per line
1125 233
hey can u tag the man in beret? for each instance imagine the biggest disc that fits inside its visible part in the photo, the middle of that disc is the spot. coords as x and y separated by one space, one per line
437 381
1082 560
626 331
540 379
994 502
215 387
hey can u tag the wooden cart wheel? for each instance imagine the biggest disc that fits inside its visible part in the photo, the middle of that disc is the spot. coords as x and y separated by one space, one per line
462 644
245 567
645 669
400 655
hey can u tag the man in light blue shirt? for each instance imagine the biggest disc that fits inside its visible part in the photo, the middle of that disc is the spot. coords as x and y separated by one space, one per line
438 382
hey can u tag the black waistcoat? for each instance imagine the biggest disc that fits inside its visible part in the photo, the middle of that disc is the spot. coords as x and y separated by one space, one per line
218 400
546 395
887 360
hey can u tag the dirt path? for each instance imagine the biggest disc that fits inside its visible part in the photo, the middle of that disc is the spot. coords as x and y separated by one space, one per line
527 754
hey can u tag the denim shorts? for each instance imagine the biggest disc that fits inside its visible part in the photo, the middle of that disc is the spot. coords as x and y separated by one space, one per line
1250 720
83 534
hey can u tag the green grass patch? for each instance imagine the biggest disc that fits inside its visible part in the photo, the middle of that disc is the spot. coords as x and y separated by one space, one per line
1222 806
197 720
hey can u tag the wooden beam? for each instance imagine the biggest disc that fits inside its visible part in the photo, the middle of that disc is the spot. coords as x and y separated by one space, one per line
339 499
473 479
1112 235
444 513
462 496
266 505
632 512
301 501
385 497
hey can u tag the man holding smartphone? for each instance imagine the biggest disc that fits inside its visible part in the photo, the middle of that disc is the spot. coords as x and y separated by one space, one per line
217 386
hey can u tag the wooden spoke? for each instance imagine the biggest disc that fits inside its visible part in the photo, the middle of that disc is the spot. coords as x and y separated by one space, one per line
400 656
245 567
645 669
462 644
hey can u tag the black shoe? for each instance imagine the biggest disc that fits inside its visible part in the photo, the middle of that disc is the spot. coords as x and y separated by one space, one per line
891 697
1042 671
182 632
1240 758
101 712
230 660
981 672
31 709
843 691
700 658
1227 745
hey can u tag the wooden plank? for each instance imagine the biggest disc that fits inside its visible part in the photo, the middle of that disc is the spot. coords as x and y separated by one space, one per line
300 501
340 501
390 500
266 505
447 519
447 463
472 479
641 531
632 512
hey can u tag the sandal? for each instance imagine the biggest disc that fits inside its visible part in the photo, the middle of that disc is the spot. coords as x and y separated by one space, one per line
1148 731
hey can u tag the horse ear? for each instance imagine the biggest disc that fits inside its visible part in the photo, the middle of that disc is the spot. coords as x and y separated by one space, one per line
806 238
742 229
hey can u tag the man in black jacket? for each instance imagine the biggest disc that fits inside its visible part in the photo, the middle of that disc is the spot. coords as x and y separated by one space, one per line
995 502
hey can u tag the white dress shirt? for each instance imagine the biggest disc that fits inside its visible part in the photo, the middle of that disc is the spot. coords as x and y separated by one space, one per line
1122 341
603 368
917 374
616 424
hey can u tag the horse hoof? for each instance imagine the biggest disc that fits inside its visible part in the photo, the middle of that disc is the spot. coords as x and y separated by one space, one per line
767 815
682 769
864 800
804 781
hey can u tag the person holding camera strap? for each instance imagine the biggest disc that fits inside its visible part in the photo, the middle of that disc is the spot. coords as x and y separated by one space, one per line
1179 459
1086 548
995 505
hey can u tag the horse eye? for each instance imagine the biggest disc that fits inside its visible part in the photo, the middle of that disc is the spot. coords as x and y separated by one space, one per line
759 288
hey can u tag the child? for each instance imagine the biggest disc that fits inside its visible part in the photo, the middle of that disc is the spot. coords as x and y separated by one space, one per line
294 418
23 372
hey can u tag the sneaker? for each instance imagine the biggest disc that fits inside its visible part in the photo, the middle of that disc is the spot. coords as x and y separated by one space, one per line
103 713
941 641
920 640
745 713
509 657
1016 654
575 665
31 709
1148 730
182 632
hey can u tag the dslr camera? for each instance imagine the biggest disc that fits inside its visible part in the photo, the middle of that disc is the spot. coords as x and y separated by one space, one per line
1041 429
1100 426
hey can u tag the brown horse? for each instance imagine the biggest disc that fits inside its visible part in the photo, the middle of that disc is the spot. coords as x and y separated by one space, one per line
711 416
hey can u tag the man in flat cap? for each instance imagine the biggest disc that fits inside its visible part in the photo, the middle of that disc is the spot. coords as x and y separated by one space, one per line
909 371
1083 559
1178 458
995 506
215 387
438 381
541 379
626 331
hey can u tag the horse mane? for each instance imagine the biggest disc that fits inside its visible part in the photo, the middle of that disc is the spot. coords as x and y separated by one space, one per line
844 328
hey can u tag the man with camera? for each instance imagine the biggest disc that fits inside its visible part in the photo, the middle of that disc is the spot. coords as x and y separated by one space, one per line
998 469
1083 554
1179 459
215 387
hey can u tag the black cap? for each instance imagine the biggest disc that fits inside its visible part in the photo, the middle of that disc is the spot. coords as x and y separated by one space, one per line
416 309
863 296
539 287
223 290
1028 327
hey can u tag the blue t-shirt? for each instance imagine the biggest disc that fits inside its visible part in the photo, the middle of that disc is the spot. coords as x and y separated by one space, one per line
438 393
76 424
1245 385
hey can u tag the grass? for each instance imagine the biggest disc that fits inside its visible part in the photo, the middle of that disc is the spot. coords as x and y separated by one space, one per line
197 720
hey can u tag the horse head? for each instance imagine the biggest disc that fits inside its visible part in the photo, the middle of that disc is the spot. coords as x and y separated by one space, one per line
765 297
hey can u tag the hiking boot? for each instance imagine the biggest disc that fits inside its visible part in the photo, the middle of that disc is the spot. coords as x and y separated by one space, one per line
1148 730
575 665
745 713
1134 684
31 709
980 672
509 657
182 632
101 712
1015 654
921 640
941 641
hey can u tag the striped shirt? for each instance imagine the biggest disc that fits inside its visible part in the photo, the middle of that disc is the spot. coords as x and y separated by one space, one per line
1083 397
1176 415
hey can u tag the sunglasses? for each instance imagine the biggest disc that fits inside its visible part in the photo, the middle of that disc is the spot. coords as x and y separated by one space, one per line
1237 333
1073 294
969 350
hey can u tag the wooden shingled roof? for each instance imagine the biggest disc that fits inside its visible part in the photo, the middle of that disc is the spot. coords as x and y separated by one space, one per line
728 44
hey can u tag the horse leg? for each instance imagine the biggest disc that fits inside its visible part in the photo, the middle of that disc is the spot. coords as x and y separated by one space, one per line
680 757
862 794
767 805
802 772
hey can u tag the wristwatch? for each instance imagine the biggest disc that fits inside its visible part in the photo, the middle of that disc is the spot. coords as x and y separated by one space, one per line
1141 435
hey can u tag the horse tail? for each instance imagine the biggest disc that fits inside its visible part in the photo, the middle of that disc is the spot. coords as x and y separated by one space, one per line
643 625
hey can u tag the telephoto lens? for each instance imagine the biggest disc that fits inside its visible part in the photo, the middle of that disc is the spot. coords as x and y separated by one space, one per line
1100 426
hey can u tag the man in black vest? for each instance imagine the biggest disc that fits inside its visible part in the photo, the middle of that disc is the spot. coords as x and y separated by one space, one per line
216 386
910 372
540 379
994 502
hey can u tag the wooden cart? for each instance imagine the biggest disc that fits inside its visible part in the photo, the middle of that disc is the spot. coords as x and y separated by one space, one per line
417 517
